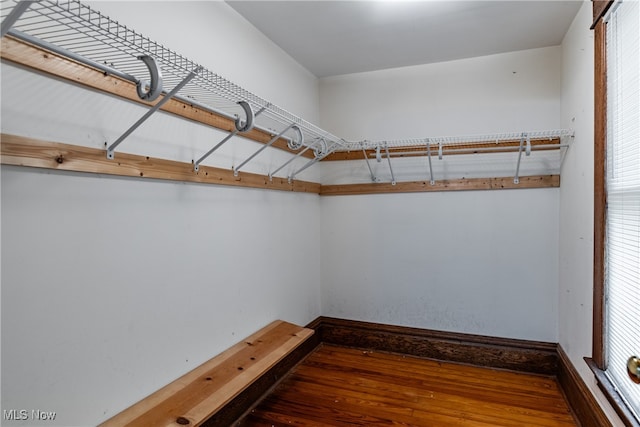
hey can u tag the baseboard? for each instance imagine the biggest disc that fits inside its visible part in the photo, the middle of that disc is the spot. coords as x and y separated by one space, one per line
580 398
518 355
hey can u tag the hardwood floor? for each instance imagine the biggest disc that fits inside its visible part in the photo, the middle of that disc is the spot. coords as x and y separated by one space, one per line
338 386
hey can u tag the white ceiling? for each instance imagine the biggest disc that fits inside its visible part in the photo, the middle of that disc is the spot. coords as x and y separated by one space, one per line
341 37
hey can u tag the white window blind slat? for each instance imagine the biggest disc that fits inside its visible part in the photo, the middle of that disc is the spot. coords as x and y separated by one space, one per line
623 197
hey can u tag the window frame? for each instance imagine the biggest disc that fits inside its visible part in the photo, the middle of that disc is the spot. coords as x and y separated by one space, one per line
598 361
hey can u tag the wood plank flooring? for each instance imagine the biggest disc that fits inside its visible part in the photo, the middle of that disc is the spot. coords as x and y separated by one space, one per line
338 386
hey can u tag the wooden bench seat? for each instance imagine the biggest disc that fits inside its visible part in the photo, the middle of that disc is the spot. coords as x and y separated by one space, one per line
196 396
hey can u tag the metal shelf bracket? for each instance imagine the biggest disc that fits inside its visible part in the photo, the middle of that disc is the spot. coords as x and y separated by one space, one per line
156 107
527 149
15 14
393 178
320 151
297 143
366 158
431 180
242 125
271 174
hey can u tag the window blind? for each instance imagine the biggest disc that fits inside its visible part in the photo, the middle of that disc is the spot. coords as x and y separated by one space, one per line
623 198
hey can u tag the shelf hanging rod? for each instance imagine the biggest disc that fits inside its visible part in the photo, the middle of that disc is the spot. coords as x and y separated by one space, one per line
516 179
71 55
156 107
269 144
13 16
366 159
241 126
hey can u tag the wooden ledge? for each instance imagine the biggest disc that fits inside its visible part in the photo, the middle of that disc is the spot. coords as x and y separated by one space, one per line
193 398
463 184
22 151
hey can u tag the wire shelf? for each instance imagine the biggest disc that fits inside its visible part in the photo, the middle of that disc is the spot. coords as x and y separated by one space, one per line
83 33
453 141
76 30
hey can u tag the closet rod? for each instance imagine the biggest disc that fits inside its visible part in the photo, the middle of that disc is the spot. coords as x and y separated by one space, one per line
541 147
71 55
449 142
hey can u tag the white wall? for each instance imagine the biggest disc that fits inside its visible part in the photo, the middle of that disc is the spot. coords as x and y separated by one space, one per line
475 262
113 287
576 201
509 92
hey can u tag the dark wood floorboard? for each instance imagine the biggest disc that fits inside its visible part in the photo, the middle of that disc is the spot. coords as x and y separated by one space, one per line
338 386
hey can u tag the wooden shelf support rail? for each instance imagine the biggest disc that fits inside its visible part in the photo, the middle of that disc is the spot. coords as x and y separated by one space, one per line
22 151
463 184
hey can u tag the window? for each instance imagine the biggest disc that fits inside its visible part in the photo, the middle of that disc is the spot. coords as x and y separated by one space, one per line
617 234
